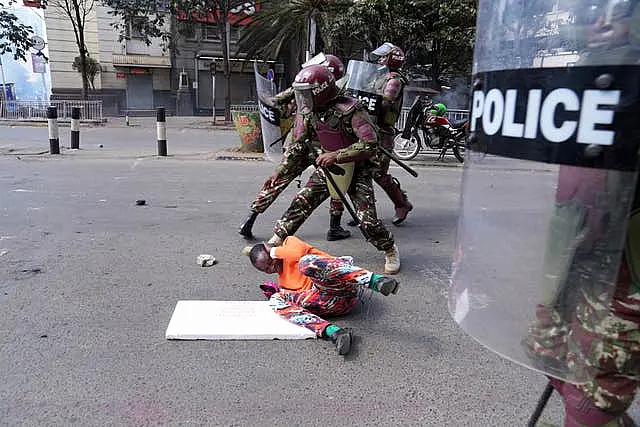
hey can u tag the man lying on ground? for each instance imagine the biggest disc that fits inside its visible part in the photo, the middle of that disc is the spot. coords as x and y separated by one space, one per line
312 283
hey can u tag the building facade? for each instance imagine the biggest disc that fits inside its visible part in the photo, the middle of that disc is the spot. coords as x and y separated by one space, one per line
133 77
199 59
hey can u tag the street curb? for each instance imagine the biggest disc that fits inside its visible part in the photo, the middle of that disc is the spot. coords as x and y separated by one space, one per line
36 123
229 155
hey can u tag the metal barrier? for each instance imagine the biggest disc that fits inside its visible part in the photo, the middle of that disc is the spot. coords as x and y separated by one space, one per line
37 110
244 107
452 115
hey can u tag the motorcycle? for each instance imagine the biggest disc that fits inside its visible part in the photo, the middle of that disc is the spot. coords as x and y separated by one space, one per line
438 133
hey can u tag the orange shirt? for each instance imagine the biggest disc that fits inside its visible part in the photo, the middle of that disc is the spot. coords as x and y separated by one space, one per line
292 249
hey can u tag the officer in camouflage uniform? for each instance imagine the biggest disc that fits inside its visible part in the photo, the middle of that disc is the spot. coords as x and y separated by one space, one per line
298 156
599 339
346 134
391 86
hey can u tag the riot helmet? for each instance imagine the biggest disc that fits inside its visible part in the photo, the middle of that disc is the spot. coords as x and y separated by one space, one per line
390 55
314 86
335 65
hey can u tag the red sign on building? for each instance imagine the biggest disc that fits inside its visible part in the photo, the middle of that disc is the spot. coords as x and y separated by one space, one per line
240 14
32 3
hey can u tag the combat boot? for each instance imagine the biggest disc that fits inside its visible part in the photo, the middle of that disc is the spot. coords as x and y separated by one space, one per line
392 260
245 228
391 186
402 212
336 232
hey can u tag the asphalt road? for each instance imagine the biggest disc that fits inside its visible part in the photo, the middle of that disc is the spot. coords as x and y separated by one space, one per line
89 280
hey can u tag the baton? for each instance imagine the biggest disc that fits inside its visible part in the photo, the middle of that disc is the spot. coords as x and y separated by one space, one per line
398 161
344 199
546 394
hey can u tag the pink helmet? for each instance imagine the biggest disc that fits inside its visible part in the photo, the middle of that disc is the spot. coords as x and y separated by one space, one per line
314 85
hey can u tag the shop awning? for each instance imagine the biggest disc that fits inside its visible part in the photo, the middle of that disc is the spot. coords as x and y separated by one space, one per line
141 61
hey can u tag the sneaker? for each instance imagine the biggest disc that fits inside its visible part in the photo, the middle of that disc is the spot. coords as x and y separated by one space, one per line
275 240
392 260
342 340
246 250
386 285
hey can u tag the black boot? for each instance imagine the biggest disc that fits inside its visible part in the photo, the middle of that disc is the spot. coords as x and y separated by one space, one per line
245 228
336 232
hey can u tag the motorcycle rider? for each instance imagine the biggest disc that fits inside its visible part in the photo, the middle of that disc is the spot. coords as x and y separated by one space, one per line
438 109
346 135
297 157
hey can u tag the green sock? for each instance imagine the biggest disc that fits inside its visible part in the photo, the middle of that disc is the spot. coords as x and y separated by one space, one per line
331 330
374 278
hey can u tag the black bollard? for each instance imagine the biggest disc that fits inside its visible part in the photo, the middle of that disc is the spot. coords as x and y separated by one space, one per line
161 124
52 120
75 127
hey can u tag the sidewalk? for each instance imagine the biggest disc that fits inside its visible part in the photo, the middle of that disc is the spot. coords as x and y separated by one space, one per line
183 122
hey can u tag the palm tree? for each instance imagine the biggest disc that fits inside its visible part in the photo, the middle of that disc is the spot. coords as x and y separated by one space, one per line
289 24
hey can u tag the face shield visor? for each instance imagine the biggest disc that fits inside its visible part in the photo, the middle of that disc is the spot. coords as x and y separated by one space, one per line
304 97
382 50
319 59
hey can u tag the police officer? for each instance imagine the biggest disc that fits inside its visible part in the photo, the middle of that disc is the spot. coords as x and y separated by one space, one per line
298 156
390 86
347 135
555 253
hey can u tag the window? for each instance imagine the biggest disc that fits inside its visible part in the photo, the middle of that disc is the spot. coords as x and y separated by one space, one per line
135 28
210 32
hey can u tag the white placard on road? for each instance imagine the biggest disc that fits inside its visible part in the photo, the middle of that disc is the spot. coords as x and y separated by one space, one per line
231 320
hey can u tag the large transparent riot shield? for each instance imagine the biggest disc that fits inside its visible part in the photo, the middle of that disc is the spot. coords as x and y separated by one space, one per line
541 274
362 83
269 117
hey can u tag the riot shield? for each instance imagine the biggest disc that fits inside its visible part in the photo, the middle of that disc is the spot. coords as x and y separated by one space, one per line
269 117
362 84
548 186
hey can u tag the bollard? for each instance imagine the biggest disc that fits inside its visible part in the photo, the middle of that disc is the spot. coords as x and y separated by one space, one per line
161 124
75 128
52 120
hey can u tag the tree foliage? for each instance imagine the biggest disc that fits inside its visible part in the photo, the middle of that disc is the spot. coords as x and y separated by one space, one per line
78 11
91 70
15 37
430 32
433 33
285 24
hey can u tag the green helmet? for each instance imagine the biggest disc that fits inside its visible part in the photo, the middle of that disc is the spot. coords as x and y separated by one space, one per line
439 109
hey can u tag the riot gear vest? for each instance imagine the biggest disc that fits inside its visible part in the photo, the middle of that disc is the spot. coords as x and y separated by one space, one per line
389 116
330 127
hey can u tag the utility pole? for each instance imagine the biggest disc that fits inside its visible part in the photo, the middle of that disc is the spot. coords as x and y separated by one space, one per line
4 81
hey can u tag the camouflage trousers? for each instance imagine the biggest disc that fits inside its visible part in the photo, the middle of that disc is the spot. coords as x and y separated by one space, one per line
599 345
294 162
381 174
316 191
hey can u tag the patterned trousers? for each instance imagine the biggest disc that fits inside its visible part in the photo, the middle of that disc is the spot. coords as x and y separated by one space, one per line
316 191
334 292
